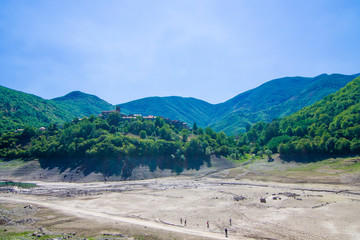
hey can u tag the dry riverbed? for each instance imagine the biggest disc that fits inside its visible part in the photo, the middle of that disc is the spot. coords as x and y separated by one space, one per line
153 209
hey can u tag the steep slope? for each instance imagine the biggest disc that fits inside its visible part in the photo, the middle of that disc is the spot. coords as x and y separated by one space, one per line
188 110
274 99
330 126
82 104
18 109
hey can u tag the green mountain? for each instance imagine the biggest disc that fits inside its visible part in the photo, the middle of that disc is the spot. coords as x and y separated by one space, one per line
81 104
329 126
19 109
275 99
188 110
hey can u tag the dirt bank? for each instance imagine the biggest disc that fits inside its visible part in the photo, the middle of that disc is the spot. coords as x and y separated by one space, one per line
32 171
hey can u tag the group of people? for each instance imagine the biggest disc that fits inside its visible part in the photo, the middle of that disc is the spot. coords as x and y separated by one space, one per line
208 225
181 221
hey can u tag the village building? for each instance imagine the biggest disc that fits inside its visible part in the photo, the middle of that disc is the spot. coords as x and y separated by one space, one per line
107 113
175 123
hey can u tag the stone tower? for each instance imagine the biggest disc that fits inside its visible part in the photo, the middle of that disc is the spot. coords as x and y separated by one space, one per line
118 109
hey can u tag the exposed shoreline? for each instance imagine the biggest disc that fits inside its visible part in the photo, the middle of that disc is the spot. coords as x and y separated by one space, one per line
152 208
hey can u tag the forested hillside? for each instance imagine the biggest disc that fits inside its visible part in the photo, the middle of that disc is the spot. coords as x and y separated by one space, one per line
114 145
81 104
18 109
188 110
330 126
275 99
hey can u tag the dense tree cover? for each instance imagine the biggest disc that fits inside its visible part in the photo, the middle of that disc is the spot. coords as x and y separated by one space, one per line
82 104
330 126
18 109
188 110
118 145
274 99
114 145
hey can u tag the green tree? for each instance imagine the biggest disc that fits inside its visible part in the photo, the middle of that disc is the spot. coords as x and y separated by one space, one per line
28 133
159 122
209 151
165 132
142 134
299 131
114 119
289 131
272 130
268 153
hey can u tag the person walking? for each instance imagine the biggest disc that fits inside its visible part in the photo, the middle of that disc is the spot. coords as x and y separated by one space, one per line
230 221
226 232
207 223
180 220
185 222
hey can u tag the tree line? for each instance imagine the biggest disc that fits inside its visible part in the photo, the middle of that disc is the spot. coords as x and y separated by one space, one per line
119 145
330 126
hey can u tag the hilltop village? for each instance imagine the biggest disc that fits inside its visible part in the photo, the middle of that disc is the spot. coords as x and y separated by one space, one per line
175 123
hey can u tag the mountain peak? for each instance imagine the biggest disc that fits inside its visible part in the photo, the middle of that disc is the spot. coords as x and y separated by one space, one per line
73 95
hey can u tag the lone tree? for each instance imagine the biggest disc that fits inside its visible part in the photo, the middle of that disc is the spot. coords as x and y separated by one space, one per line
268 153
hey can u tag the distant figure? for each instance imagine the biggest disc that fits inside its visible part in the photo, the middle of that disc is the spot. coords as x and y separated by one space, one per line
185 222
207 223
230 221
226 232
180 220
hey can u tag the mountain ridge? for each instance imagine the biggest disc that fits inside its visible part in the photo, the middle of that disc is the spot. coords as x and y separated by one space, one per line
273 99
82 104
277 98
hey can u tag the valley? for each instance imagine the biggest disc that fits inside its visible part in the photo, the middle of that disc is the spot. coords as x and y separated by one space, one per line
179 120
108 177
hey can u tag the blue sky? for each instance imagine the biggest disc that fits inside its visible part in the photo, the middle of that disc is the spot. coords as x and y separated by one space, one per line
211 50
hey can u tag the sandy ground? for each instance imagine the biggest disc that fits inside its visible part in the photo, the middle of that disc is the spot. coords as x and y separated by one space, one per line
154 208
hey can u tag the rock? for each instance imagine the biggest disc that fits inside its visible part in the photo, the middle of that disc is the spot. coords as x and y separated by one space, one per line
238 198
289 194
